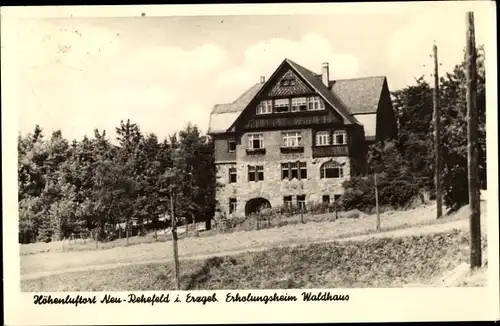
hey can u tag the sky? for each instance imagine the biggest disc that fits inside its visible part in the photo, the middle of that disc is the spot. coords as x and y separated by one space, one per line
78 74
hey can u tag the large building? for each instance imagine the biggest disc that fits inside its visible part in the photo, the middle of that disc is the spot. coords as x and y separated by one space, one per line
296 137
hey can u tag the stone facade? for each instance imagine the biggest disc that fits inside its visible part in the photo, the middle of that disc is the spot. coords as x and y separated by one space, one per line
360 107
273 188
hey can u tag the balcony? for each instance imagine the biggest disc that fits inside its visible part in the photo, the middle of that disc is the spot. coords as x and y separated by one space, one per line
256 151
295 149
330 151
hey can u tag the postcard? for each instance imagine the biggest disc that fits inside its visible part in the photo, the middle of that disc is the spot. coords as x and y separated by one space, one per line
250 163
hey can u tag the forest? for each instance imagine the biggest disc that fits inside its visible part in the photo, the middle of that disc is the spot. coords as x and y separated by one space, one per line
406 165
93 185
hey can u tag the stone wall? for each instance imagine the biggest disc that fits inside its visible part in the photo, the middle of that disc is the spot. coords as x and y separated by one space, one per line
273 188
221 146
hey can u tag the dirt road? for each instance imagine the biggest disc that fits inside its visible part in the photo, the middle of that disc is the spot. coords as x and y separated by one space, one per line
426 229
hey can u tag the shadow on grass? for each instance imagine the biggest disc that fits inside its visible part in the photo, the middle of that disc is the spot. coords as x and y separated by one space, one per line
203 275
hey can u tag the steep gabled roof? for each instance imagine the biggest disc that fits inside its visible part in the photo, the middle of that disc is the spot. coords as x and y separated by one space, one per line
360 95
223 115
323 90
240 103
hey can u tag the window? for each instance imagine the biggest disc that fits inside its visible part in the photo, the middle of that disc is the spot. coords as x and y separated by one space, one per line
232 175
255 141
287 201
251 173
294 171
292 139
299 104
291 170
260 173
301 202
232 145
331 170
232 205
322 138
282 105
255 173
285 171
303 170
326 199
315 103
339 137
336 198
265 107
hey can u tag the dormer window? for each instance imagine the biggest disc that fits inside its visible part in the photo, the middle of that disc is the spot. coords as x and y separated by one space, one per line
282 105
265 107
316 103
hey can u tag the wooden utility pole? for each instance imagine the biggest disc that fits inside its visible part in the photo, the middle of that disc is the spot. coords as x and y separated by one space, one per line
437 137
376 203
472 147
174 239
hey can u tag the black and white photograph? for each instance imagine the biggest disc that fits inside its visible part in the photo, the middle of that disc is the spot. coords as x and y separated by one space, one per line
293 151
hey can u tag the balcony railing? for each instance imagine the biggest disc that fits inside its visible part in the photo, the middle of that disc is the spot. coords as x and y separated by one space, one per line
294 149
251 151
330 151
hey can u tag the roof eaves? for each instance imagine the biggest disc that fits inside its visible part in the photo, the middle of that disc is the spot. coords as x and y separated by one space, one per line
322 90
258 93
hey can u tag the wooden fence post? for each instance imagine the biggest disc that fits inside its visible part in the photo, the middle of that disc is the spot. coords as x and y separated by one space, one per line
127 232
376 203
195 228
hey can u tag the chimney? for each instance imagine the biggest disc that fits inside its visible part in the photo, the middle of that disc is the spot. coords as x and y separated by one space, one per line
325 75
262 79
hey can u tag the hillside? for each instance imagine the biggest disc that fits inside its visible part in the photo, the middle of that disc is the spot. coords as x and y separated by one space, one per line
375 262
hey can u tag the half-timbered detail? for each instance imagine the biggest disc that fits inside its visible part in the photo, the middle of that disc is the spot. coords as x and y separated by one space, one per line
294 138
289 84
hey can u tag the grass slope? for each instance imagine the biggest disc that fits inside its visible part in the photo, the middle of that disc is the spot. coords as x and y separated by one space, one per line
236 241
390 220
383 262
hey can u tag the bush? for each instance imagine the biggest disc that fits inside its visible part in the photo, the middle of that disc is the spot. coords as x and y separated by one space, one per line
360 193
351 214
